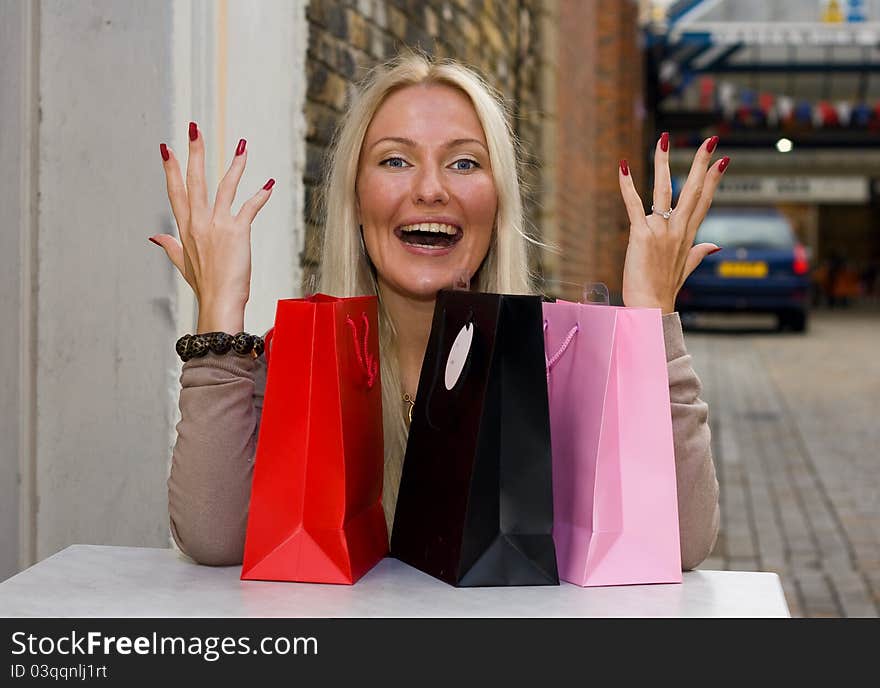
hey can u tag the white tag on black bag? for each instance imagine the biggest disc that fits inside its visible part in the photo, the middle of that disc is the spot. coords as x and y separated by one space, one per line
458 355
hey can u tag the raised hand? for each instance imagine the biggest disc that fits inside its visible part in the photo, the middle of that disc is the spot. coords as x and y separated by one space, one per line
214 250
660 254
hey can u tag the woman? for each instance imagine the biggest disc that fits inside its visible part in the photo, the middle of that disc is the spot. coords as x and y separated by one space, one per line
422 188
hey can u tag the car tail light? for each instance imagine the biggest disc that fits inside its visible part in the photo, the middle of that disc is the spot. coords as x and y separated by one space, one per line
801 265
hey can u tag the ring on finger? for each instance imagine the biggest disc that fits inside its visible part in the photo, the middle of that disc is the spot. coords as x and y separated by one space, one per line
665 214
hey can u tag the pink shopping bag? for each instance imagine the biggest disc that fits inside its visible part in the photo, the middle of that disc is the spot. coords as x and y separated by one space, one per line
615 504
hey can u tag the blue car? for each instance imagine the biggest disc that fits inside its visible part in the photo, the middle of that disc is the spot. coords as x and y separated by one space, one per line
761 268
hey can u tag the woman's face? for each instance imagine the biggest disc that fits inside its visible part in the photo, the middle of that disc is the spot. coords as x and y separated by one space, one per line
426 196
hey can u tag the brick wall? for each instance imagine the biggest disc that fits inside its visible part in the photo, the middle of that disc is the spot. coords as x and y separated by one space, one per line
597 123
572 128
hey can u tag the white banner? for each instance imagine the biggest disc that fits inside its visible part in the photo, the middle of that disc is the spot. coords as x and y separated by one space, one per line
752 189
782 33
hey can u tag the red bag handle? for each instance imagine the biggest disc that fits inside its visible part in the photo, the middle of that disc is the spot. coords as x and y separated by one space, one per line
368 363
366 360
267 340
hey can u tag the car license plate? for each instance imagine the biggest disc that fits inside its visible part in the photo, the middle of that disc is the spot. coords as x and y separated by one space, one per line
742 269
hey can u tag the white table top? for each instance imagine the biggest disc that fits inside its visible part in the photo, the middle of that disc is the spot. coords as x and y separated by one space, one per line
109 582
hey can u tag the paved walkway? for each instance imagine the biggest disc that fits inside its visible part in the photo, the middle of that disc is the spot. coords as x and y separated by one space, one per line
796 441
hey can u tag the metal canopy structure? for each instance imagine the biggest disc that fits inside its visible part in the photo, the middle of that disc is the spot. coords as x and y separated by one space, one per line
792 87
772 42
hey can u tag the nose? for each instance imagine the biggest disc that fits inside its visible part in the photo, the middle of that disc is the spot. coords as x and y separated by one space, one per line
429 187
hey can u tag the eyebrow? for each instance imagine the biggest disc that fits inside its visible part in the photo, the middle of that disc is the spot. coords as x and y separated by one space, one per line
409 142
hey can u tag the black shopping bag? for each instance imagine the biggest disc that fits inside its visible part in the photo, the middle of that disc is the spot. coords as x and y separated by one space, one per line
475 506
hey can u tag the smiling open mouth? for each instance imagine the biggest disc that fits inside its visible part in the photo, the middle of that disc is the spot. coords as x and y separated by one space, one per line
429 235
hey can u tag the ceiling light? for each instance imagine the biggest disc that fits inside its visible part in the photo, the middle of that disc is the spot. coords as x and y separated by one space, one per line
784 145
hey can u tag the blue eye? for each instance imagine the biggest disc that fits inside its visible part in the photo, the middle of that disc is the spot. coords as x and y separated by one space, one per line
396 163
470 164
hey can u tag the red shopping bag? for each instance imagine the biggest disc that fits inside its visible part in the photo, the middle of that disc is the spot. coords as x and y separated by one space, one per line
316 499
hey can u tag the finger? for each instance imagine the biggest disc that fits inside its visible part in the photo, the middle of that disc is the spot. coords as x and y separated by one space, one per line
693 186
196 186
229 184
634 208
713 178
252 206
662 178
695 257
176 189
173 249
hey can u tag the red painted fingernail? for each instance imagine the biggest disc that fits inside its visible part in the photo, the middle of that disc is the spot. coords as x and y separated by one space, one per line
154 241
193 131
241 145
163 149
714 250
725 161
624 168
664 141
269 184
712 143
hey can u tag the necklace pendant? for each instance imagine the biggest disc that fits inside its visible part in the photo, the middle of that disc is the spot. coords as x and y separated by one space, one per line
408 399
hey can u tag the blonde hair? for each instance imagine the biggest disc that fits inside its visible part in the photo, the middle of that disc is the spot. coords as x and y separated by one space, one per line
344 267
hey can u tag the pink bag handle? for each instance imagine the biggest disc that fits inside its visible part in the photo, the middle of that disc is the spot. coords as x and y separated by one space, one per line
365 359
565 342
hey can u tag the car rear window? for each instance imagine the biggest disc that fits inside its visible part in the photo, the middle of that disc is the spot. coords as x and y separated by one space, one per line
746 231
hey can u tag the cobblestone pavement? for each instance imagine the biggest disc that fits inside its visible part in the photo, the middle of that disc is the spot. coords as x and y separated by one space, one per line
797 450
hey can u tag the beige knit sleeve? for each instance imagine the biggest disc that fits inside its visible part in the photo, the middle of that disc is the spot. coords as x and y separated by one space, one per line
209 487
698 512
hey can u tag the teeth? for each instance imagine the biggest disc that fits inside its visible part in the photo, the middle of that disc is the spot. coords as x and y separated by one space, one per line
434 227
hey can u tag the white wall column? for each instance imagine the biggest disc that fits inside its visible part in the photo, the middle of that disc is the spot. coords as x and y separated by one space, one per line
91 309
19 47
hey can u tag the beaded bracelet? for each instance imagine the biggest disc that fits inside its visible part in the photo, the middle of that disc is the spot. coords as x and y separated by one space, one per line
197 345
